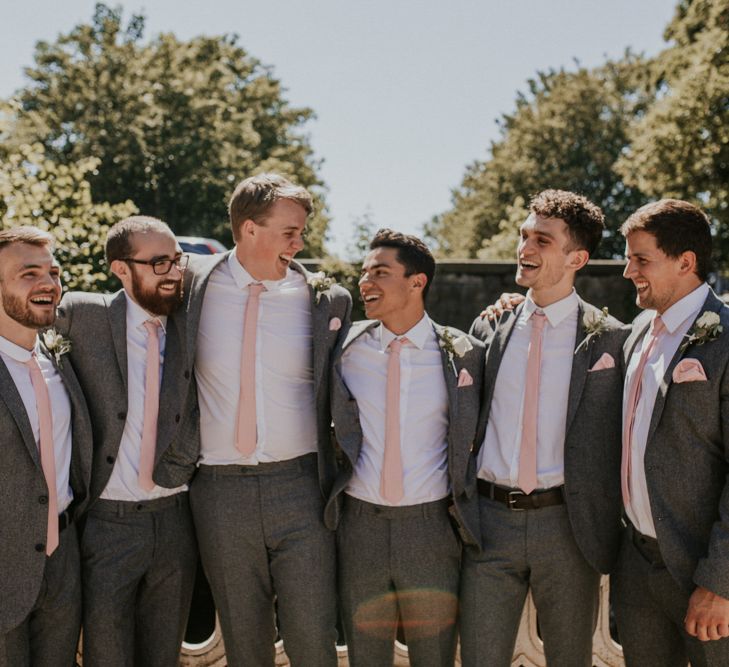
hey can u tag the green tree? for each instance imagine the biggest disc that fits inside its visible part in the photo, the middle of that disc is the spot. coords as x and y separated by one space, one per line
175 124
680 148
34 190
566 132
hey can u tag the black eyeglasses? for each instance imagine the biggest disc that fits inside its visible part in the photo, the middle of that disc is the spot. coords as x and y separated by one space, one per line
162 267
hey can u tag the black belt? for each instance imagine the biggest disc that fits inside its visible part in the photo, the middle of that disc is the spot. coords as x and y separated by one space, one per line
516 499
646 545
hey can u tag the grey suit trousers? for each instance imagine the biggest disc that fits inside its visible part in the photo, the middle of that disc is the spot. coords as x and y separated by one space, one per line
138 565
262 537
398 562
527 549
650 608
48 637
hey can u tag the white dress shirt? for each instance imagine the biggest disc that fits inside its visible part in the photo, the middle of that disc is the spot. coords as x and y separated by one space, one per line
423 413
123 483
498 460
678 320
285 401
15 357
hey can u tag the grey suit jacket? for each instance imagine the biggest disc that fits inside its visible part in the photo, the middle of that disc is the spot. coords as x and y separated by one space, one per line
593 432
326 305
463 417
687 461
24 494
97 327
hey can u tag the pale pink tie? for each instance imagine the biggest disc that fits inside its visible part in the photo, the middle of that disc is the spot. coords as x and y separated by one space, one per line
528 451
47 456
246 434
391 487
636 382
151 407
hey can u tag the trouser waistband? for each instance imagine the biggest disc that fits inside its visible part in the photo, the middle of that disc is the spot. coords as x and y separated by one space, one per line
305 462
429 509
127 507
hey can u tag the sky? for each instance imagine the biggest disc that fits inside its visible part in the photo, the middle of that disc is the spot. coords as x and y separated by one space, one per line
406 92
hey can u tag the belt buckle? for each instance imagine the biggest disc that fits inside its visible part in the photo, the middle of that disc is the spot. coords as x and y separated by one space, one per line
513 496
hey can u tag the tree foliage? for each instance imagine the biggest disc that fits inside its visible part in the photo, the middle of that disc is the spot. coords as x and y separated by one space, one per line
622 134
680 147
174 124
566 132
35 190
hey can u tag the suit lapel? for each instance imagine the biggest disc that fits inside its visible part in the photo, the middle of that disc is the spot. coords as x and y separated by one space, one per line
117 313
580 367
495 353
713 304
11 397
451 379
196 292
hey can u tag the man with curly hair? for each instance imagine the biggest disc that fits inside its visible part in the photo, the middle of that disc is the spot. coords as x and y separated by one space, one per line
548 466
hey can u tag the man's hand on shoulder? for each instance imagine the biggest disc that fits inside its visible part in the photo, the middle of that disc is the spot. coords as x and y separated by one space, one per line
507 301
707 617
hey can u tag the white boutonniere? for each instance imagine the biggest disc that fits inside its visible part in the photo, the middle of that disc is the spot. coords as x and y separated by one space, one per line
455 346
56 344
320 283
707 328
595 323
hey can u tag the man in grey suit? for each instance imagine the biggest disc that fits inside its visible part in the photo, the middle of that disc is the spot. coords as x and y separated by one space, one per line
45 462
405 400
548 466
261 330
671 583
138 546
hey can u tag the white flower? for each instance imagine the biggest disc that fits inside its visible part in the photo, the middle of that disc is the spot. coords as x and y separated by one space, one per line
320 283
56 344
595 323
708 319
461 345
707 327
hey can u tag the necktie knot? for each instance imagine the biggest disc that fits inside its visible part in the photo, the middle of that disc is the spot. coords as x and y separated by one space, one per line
255 289
539 319
396 344
658 326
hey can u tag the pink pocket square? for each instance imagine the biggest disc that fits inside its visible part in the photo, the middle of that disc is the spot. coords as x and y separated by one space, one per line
464 378
689 370
335 324
605 361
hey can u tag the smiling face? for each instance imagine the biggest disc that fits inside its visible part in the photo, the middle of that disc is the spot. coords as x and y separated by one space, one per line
660 280
158 295
546 265
30 288
266 249
388 294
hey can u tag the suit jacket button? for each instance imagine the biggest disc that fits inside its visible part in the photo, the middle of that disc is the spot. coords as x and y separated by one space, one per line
110 459
43 500
177 418
187 375
40 547
122 415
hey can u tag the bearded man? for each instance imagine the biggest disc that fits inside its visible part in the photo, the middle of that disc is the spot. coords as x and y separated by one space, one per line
138 549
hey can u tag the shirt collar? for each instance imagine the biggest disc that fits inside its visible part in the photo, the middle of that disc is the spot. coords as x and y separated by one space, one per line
556 312
685 308
417 335
17 352
242 278
137 316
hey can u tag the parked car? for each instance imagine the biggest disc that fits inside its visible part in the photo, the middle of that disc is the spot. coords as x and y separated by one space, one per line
199 245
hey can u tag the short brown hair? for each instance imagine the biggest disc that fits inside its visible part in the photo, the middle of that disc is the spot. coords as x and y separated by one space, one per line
677 226
254 196
26 234
585 221
412 253
119 237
